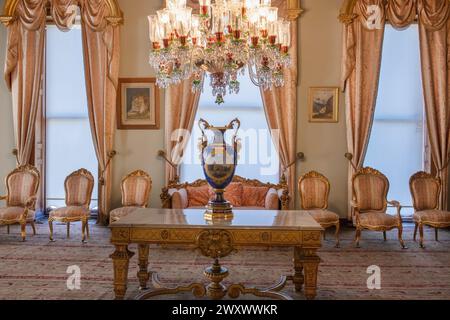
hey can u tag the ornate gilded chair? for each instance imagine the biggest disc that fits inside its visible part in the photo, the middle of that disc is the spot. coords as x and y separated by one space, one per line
425 191
22 186
136 188
370 189
78 187
314 189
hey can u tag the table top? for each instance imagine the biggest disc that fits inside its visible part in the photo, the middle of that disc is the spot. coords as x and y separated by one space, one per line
194 218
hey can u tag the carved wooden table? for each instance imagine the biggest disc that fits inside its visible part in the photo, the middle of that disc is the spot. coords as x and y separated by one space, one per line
296 229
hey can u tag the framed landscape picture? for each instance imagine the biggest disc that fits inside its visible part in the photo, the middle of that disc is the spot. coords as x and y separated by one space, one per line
324 104
138 104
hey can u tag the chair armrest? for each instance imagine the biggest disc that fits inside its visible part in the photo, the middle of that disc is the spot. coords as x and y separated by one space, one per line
354 204
272 200
31 203
396 204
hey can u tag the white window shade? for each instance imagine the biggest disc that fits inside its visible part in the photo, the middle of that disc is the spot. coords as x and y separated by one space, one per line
69 145
396 144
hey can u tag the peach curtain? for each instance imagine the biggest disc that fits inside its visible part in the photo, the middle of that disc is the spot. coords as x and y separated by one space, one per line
23 71
362 45
434 30
101 49
181 109
280 105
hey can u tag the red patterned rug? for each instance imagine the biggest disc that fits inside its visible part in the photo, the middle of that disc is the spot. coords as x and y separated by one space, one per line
37 269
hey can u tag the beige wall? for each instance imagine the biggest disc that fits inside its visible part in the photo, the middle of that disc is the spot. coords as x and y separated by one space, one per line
320 54
324 145
7 160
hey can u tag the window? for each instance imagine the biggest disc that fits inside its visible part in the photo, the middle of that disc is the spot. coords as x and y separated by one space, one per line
69 144
397 141
258 158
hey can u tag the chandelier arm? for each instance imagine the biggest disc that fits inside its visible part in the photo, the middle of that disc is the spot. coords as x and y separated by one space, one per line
253 75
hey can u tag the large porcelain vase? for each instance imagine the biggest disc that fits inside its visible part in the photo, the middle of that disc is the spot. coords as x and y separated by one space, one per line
219 162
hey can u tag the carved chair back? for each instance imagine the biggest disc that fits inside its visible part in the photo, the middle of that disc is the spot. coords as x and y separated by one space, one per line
370 189
425 190
314 189
78 186
136 188
22 184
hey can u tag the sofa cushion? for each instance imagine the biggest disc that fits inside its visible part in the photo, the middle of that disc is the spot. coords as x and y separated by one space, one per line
233 194
198 196
254 196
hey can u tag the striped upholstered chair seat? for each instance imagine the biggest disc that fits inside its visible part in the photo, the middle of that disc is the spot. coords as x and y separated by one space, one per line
432 216
22 186
136 188
314 189
377 220
14 214
78 186
71 212
370 190
425 191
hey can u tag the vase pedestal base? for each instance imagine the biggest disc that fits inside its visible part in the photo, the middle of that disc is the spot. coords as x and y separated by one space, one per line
219 211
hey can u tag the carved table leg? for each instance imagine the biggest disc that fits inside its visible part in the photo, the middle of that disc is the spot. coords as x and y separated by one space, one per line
143 274
121 260
298 278
310 262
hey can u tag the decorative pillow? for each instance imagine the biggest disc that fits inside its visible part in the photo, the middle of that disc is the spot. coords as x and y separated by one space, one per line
254 196
198 196
272 201
233 193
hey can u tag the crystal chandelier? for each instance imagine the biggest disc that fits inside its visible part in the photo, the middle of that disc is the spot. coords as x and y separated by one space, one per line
222 40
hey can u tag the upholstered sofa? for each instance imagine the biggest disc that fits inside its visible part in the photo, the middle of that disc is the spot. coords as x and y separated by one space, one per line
242 193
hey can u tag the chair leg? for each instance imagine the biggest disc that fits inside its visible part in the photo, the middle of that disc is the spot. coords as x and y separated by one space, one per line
83 231
325 234
400 238
358 237
421 235
8 229
415 231
436 234
33 226
338 226
23 231
87 229
50 225
68 230
384 236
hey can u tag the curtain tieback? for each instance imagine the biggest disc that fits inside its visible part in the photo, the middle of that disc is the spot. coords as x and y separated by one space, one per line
111 155
445 165
299 157
163 154
349 157
15 152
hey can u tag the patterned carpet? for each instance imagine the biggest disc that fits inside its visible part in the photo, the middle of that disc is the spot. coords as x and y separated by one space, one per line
37 268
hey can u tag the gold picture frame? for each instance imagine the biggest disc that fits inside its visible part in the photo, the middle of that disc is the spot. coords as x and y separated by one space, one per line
138 104
323 104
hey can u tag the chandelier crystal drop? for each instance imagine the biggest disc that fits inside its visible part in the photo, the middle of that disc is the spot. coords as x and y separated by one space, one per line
223 39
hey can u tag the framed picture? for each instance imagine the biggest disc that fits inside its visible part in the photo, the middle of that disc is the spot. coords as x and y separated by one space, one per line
324 104
138 104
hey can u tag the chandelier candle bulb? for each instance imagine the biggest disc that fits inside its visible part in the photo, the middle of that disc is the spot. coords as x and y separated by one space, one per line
223 40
